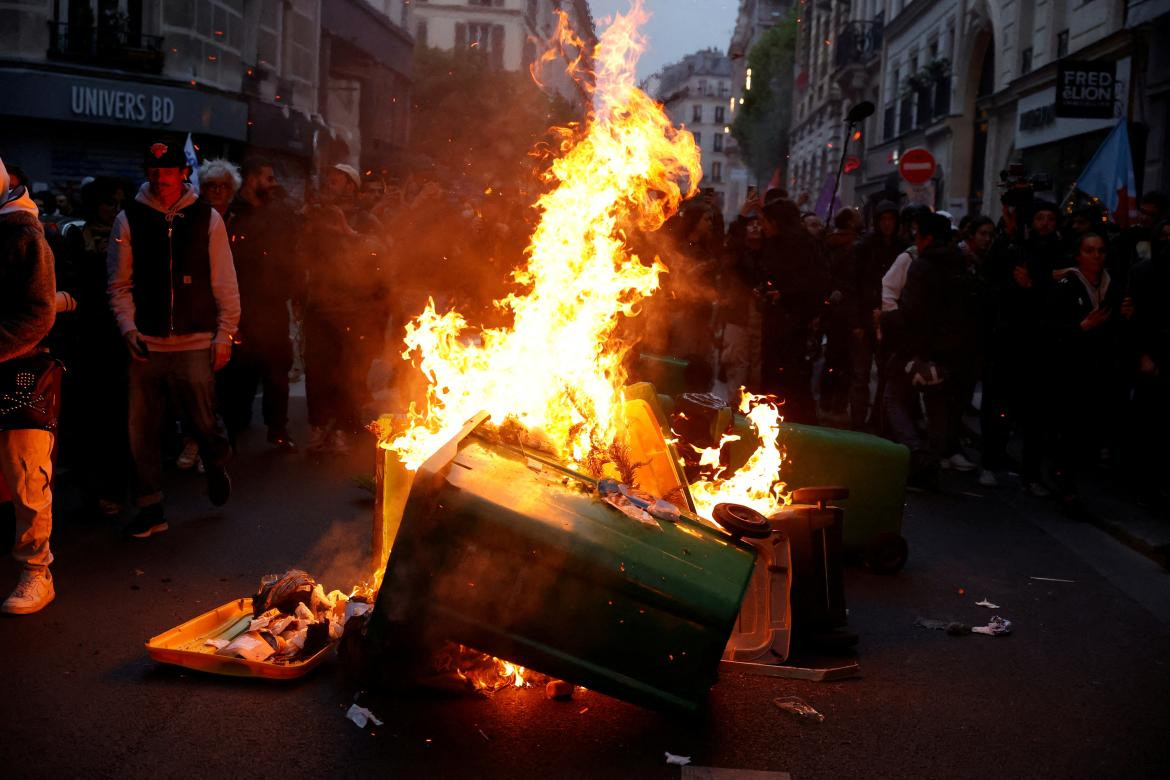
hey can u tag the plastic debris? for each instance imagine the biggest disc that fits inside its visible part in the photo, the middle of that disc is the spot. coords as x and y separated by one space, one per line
637 504
361 716
671 758
986 603
799 708
997 626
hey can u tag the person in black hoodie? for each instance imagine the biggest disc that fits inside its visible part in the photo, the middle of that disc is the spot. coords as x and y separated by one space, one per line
1081 326
1019 272
27 310
794 289
872 256
930 321
263 238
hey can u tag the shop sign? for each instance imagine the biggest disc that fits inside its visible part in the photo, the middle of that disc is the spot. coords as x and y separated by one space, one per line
102 102
1038 115
1086 90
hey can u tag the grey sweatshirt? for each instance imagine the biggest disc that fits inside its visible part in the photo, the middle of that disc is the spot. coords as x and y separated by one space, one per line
120 264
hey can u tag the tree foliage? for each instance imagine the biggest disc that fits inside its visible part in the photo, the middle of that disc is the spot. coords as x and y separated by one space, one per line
762 123
477 122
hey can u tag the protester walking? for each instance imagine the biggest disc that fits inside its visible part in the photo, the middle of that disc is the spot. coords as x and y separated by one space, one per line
173 291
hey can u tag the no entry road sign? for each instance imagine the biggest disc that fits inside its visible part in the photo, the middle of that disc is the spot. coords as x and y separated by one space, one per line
917 166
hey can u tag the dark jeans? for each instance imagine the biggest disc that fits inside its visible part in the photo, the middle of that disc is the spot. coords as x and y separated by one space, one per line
901 407
187 376
337 360
264 363
861 354
1013 393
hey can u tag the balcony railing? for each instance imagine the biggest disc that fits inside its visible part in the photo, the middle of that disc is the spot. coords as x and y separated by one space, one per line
108 45
858 43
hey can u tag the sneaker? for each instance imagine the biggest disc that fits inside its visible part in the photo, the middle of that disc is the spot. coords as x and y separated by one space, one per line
338 443
282 441
959 462
189 455
318 438
987 478
149 521
219 485
32 593
1037 489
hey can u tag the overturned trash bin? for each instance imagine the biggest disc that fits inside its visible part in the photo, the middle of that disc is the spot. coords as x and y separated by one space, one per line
514 554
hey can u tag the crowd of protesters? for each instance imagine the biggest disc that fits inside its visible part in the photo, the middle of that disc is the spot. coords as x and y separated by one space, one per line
1048 328
171 305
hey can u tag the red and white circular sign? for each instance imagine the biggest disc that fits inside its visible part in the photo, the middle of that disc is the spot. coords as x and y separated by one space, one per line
917 166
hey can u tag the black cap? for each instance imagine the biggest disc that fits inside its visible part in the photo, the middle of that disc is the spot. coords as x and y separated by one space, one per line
165 154
1044 205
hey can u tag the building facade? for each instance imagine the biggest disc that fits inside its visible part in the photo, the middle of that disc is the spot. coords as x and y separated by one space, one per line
88 83
975 82
512 33
696 93
838 54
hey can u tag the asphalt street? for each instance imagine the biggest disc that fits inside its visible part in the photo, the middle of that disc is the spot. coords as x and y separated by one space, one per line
1080 689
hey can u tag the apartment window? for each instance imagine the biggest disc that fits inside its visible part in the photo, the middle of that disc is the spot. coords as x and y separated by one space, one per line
1026 60
716 171
696 113
1062 43
719 142
420 32
702 86
698 139
718 114
485 38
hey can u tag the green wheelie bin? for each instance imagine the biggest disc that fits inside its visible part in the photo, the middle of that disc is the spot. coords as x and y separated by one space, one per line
513 554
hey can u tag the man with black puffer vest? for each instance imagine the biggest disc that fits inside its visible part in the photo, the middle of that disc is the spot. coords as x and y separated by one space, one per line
174 294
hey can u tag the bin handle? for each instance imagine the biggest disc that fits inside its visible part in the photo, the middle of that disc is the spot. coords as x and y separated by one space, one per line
820 495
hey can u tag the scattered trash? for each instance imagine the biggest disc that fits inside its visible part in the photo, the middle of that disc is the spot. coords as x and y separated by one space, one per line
559 689
986 603
637 504
362 717
486 738
997 626
671 758
1050 579
956 628
799 708
952 627
138 572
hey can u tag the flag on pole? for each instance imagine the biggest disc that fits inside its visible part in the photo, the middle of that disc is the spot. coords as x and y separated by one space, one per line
827 198
192 160
1109 178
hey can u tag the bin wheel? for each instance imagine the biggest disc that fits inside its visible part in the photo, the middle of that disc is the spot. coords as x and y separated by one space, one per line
740 520
887 554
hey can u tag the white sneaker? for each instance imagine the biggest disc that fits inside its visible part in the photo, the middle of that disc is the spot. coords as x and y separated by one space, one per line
987 478
338 443
959 462
189 455
318 439
1038 490
33 592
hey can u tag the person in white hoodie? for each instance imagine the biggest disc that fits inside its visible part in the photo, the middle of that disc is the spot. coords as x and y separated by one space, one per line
172 287
27 312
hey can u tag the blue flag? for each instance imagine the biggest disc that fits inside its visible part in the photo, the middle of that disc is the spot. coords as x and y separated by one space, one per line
192 160
1109 178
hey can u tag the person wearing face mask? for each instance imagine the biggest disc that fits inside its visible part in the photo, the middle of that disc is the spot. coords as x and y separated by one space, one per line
172 286
262 237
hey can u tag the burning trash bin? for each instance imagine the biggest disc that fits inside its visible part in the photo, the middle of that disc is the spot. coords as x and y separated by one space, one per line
516 555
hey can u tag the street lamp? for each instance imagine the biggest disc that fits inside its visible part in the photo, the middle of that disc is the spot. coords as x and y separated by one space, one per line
855 116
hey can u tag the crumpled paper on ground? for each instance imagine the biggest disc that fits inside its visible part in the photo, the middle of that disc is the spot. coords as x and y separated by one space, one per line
671 758
997 626
986 603
361 716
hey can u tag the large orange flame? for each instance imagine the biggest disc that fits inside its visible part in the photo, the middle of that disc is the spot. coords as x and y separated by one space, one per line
557 369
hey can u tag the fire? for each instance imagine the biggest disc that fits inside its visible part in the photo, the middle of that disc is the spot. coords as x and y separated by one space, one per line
757 483
557 370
